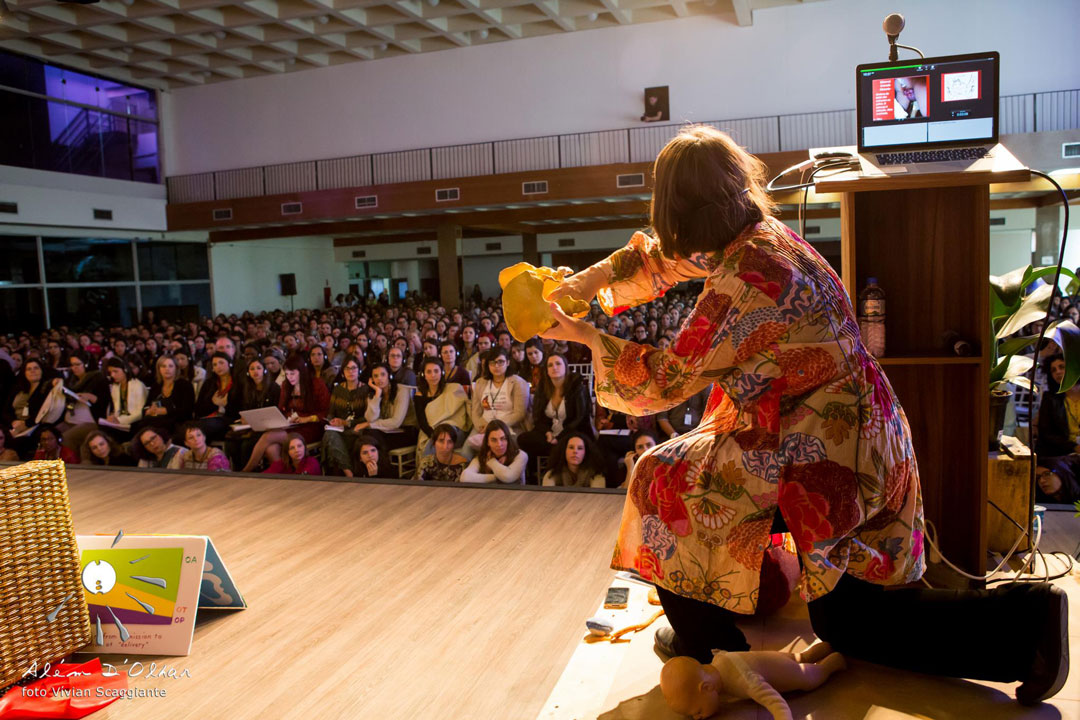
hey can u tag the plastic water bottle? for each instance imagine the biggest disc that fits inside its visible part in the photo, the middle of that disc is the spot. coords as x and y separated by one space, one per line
872 317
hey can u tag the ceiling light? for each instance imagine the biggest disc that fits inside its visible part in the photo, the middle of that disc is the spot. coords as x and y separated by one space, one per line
127 50
323 19
593 17
432 3
290 61
219 34
483 34
383 47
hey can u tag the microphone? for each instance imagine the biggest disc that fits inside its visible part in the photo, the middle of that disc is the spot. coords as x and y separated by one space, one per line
893 25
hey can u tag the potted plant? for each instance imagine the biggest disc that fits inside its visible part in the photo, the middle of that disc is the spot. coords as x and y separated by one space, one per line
1011 310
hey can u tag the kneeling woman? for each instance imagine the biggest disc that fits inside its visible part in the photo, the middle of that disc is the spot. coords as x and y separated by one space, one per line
444 465
371 460
296 460
499 459
576 463
153 449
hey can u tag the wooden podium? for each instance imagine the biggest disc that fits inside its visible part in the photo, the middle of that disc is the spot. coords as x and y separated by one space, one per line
926 238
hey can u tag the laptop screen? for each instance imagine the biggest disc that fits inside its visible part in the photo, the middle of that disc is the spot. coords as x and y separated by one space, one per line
926 103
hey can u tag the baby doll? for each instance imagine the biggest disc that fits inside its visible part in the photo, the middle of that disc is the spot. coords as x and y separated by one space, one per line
700 690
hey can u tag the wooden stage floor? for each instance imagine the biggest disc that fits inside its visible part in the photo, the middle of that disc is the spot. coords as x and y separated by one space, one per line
368 600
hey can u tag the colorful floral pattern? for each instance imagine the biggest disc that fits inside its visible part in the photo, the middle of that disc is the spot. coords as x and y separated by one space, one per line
801 421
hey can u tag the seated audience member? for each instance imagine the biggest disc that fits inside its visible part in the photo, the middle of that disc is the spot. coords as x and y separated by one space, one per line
92 387
257 390
153 449
437 402
642 440
399 370
201 456
685 416
127 397
497 395
7 451
518 364
100 449
371 460
348 401
443 465
617 444
295 461
320 366
273 361
499 459
387 410
1058 479
171 399
453 372
536 369
304 400
561 406
50 447
576 462
466 343
1059 414
483 346
216 397
188 370
38 399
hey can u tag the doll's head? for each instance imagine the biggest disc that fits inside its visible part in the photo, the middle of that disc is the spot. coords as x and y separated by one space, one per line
691 688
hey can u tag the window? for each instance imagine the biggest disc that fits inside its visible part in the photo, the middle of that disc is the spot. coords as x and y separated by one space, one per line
178 303
20 265
76 122
22 309
86 306
79 260
173 261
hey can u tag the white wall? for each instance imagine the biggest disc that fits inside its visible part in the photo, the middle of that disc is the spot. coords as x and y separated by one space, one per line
245 274
66 200
793 59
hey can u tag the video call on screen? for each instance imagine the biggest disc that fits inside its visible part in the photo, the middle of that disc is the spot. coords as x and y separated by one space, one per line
937 102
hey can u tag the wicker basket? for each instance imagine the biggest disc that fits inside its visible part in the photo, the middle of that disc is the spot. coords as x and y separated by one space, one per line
39 569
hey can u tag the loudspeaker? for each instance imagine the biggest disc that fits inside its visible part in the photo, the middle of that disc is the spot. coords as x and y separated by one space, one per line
288 283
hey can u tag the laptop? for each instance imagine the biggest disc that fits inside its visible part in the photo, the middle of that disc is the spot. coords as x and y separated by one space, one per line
267 418
928 115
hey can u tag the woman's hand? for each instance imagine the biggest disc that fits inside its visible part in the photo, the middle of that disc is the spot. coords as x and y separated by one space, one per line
57 382
583 285
550 438
376 391
17 427
570 329
361 426
372 468
337 422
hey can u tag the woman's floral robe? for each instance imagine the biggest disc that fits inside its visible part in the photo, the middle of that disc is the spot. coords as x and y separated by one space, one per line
801 418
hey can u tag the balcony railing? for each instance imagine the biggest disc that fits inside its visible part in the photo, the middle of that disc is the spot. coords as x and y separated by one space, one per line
1033 112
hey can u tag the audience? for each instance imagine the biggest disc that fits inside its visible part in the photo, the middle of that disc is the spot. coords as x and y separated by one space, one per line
318 367
371 461
50 446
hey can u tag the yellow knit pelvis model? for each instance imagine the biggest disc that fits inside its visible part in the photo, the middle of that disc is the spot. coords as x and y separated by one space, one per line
526 308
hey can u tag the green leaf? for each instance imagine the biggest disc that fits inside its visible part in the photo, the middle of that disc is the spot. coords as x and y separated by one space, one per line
1015 345
1067 335
1010 368
1006 289
1048 271
1031 309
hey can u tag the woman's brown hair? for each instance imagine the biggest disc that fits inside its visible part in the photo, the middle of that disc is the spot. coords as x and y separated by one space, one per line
706 191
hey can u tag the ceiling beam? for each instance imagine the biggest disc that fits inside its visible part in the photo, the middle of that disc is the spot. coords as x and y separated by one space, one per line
744 13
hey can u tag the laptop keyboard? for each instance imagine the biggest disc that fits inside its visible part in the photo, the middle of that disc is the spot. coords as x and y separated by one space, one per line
968 153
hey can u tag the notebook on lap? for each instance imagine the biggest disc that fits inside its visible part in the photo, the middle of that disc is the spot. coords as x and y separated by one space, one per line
928 115
267 418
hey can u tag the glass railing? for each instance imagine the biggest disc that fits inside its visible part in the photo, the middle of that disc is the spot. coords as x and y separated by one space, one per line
1027 113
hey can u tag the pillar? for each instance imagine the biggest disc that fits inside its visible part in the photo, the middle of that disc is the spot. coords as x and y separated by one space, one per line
449 279
528 249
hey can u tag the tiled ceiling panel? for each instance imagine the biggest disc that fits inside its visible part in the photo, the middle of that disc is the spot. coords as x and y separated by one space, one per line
178 43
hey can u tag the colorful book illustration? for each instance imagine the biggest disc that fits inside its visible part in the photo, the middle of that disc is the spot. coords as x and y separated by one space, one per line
144 591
